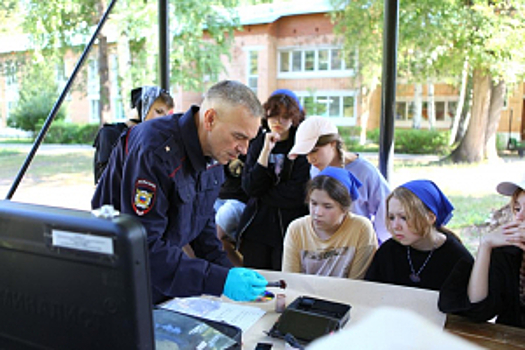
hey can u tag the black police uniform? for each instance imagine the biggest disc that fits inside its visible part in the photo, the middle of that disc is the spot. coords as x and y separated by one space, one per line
159 174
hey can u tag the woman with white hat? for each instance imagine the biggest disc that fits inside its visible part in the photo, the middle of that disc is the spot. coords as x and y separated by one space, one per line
318 138
496 286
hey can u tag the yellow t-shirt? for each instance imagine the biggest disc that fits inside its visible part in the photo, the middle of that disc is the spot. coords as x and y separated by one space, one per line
347 253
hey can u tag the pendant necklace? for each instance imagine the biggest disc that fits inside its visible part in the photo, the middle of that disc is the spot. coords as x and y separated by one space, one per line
414 277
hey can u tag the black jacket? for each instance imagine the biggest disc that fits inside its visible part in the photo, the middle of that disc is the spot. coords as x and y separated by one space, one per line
503 298
275 200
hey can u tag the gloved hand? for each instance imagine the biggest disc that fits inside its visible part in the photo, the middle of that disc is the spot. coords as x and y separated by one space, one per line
244 284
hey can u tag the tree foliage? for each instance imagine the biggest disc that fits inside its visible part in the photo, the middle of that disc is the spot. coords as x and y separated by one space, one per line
38 93
9 19
437 37
67 23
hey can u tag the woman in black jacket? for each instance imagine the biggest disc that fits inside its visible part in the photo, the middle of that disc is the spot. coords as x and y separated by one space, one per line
494 286
274 183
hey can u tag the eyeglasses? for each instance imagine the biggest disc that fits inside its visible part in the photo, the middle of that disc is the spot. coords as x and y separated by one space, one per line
282 118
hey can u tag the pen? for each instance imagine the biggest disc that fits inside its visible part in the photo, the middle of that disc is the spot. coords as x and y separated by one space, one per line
279 284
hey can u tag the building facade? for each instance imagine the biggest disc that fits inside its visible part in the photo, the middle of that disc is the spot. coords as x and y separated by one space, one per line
288 45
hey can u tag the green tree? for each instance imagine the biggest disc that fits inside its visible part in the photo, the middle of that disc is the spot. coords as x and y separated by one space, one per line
436 40
494 30
9 16
194 55
38 93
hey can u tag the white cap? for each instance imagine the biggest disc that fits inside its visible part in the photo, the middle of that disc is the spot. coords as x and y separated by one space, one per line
308 134
507 188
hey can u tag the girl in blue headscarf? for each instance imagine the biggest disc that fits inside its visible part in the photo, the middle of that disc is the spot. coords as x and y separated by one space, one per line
422 252
331 241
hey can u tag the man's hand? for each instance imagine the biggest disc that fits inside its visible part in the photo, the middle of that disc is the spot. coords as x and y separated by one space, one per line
244 284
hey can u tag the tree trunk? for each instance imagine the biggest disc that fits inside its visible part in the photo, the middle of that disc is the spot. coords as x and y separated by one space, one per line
461 101
497 97
367 97
471 148
103 72
431 107
418 105
465 114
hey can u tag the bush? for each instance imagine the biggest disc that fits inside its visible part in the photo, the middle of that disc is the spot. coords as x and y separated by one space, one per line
68 133
501 142
414 141
349 134
373 135
38 94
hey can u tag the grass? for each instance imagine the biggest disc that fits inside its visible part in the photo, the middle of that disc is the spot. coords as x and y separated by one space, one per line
470 187
471 210
44 166
17 141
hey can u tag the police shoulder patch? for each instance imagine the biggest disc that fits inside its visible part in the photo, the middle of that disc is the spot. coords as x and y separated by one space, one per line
144 196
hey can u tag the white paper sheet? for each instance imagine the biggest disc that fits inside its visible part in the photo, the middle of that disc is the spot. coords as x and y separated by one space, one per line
242 316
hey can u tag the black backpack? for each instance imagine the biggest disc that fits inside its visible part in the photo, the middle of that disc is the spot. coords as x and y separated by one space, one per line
106 139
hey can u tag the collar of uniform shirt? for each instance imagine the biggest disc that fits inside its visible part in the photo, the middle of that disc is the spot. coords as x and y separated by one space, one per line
210 162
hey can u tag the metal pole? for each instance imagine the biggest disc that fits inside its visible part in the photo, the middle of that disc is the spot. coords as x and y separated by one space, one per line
58 103
164 52
388 87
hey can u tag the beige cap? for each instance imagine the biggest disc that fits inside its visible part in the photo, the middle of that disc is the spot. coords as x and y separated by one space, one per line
507 188
309 132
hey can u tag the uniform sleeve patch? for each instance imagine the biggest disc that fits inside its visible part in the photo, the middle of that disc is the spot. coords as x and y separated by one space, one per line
144 196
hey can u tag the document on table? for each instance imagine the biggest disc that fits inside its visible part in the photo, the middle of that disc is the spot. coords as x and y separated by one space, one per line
241 316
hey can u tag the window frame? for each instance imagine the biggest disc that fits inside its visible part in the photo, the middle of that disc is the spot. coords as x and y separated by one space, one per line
340 94
343 71
447 122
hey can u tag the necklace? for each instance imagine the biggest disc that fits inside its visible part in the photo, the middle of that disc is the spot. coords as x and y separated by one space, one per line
414 276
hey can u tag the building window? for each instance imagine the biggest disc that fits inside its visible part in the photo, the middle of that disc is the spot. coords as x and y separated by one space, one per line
445 110
61 78
116 97
11 86
339 105
93 91
315 62
253 70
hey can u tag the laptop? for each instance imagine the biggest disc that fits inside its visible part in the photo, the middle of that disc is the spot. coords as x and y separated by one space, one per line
72 280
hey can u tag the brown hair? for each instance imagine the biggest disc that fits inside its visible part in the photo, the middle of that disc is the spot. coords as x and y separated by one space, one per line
282 105
166 98
514 199
339 145
334 188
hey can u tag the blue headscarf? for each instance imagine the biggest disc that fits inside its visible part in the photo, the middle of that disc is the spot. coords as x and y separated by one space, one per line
345 177
433 198
288 93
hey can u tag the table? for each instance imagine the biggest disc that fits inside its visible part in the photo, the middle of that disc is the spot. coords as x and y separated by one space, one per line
363 296
488 335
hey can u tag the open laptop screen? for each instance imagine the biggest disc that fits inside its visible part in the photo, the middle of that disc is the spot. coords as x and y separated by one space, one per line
70 280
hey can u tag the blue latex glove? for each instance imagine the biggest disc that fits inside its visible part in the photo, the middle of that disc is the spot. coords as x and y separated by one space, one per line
244 284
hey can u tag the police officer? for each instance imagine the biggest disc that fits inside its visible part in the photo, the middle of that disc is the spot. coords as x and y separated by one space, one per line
167 173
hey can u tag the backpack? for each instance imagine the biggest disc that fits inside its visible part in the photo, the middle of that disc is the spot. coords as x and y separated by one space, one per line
106 139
